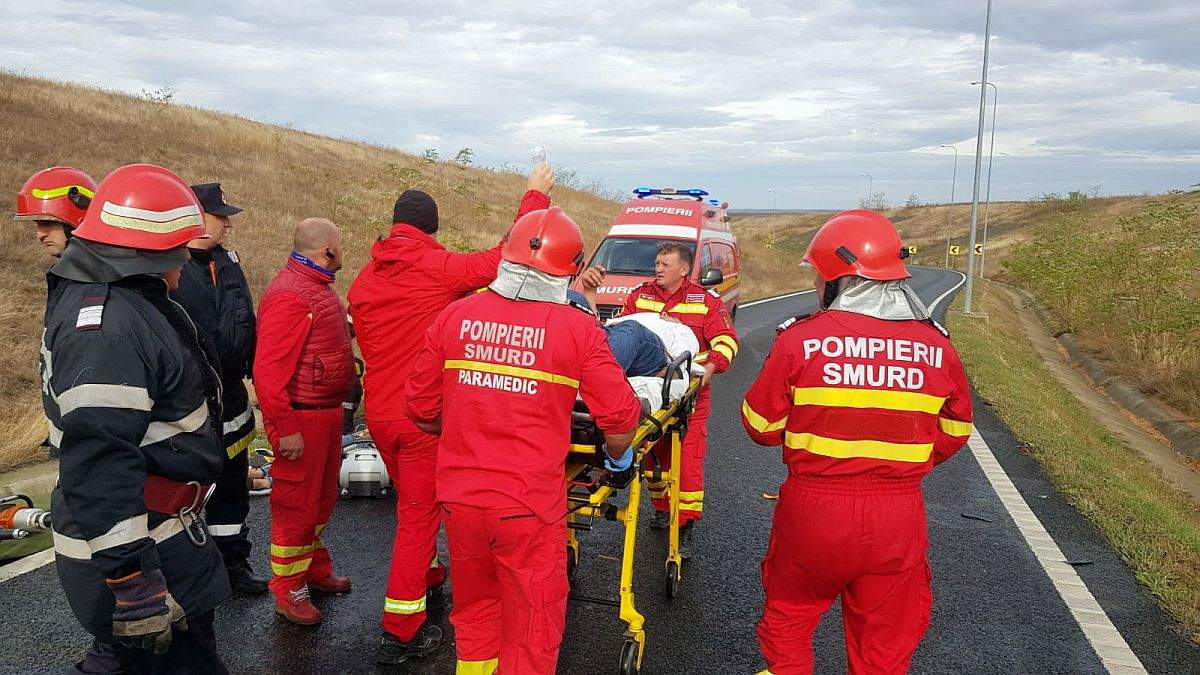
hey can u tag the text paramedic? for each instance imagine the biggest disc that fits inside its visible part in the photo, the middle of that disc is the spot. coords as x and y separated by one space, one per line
868 374
509 345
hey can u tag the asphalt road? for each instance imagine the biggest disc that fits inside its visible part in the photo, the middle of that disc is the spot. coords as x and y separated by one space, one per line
995 609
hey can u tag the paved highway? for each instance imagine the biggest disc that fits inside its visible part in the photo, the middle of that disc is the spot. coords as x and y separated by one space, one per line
999 606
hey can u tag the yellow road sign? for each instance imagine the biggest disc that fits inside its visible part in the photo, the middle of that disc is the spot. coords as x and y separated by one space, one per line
955 250
978 249
912 249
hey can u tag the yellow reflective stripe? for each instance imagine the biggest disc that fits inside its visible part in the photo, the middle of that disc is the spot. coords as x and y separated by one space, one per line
319 529
697 496
656 484
649 305
691 506
394 606
575 447
483 367
237 448
290 551
61 192
840 397
318 544
842 449
477 667
725 340
724 350
760 423
291 568
689 308
701 357
954 427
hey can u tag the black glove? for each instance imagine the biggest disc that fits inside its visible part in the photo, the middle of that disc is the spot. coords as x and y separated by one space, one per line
145 612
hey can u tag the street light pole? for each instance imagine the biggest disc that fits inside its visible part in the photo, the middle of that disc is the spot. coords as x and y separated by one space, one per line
870 188
774 202
950 222
970 289
987 200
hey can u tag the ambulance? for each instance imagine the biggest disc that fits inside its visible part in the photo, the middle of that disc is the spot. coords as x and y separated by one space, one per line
658 215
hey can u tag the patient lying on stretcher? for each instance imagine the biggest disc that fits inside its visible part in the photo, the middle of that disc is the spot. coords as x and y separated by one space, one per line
644 344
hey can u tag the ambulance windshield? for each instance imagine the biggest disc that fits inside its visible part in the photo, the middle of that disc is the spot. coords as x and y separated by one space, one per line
632 255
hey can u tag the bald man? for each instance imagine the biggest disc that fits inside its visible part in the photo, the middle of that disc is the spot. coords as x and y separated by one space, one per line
303 370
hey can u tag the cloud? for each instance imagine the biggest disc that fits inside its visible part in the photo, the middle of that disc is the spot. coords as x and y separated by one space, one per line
737 96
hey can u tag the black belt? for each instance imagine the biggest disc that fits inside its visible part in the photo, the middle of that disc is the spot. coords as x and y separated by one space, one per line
308 406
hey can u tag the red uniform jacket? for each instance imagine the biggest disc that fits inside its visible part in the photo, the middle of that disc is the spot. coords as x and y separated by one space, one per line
699 309
397 295
503 375
303 353
847 394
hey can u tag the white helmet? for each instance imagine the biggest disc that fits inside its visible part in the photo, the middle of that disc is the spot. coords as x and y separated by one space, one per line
363 473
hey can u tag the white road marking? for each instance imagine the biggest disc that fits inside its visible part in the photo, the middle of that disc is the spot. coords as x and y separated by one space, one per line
943 296
1105 639
26 564
778 297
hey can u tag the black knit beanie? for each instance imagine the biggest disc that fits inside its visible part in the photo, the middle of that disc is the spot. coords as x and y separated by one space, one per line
417 209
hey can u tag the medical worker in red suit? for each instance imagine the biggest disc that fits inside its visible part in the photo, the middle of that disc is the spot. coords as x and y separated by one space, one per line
497 377
674 295
303 370
395 298
866 397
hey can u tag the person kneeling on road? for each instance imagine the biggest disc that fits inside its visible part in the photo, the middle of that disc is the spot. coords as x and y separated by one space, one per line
505 435
135 411
866 397
303 370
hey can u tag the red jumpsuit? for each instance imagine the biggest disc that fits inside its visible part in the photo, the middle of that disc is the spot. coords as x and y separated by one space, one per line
704 312
303 369
864 408
502 375
409 280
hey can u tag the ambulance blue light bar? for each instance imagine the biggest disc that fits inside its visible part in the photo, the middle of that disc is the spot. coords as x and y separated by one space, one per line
689 192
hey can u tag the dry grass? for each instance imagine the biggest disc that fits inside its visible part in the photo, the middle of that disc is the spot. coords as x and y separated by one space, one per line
1153 526
278 175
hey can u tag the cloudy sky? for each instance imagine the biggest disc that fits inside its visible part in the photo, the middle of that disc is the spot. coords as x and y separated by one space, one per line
738 97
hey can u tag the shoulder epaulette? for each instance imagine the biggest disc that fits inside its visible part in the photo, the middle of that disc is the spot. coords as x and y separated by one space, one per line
941 329
233 256
91 308
582 308
793 321
713 292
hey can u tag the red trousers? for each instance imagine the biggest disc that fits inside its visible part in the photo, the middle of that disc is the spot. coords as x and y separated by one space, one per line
302 499
508 571
691 470
411 459
862 539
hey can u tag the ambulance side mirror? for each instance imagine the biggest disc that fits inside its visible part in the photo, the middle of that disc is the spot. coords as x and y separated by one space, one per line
712 277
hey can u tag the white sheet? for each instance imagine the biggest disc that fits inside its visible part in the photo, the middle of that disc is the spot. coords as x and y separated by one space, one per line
676 337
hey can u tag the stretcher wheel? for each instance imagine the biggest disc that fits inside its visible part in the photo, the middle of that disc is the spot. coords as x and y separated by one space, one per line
572 562
672 585
629 658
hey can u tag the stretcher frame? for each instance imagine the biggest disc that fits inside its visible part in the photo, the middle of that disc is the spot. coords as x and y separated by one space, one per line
592 492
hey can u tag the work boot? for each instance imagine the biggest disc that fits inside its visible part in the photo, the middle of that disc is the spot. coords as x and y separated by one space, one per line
686 550
243 579
332 584
296 606
394 652
661 520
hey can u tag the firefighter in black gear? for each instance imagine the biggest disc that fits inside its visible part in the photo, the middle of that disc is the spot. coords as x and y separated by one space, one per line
134 408
214 292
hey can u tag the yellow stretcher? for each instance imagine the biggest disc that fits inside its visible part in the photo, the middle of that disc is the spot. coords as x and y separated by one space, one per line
592 493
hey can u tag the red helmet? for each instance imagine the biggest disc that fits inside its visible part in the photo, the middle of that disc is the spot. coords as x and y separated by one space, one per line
546 240
858 242
143 206
59 193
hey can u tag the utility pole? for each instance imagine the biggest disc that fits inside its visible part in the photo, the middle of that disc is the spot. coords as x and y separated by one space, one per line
987 199
950 210
987 39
